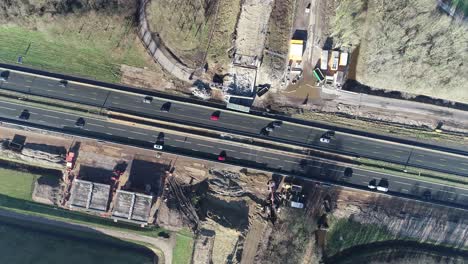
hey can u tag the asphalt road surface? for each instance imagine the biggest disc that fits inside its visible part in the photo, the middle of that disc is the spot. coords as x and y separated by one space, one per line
237 154
240 123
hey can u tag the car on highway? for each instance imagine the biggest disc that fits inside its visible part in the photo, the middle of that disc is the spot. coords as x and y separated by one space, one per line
222 156
427 195
264 132
80 122
24 114
269 128
383 185
147 99
166 107
215 115
158 146
372 184
63 83
348 172
325 140
4 76
277 124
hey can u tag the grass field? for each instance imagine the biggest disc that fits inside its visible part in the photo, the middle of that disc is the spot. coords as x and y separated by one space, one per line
29 243
185 27
345 233
182 253
16 184
90 45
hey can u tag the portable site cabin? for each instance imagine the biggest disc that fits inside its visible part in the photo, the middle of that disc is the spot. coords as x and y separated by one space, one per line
324 60
335 60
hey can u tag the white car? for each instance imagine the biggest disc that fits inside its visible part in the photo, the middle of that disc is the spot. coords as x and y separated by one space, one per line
158 147
383 185
324 140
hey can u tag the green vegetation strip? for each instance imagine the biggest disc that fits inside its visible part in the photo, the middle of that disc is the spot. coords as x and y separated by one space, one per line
414 173
182 253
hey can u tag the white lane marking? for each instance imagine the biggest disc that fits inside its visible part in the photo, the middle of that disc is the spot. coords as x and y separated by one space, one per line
92 124
405 190
29 81
56 117
463 194
140 133
445 191
179 140
246 153
110 134
70 120
290 161
8 108
116 128
403 183
230 150
203 145
266 157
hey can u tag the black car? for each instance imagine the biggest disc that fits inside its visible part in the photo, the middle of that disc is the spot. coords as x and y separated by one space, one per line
427 194
80 122
25 114
264 132
63 83
4 76
166 107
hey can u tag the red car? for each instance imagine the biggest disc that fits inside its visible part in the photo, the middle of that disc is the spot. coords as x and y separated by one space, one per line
215 115
222 156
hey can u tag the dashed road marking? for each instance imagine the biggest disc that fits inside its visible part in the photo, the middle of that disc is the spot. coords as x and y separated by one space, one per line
139 133
203 145
116 128
403 183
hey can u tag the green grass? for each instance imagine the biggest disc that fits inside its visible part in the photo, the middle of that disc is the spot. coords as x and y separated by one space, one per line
182 253
185 28
28 242
345 233
90 45
17 184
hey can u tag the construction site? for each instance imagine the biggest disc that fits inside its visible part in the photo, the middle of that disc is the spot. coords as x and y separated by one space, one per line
238 215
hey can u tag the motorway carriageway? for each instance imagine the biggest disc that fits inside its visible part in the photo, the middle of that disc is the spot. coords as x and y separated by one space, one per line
238 123
237 154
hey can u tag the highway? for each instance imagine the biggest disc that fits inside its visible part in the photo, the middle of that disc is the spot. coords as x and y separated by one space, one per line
237 154
240 123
